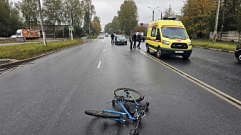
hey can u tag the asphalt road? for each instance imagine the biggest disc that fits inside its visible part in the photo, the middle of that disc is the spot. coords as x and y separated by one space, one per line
50 95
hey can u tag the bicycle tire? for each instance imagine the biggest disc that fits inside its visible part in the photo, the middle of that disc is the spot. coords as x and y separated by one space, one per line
102 114
137 95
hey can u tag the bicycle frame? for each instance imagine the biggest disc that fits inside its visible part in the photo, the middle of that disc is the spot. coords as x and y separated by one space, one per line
123 107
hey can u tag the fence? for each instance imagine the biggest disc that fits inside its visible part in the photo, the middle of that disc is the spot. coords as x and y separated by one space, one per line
226 36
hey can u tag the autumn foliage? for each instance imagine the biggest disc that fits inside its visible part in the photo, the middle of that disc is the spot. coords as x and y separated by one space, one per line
198 16
96 28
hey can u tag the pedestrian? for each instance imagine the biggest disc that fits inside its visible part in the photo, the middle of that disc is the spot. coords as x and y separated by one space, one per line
130 39
134 39
112 38
139 40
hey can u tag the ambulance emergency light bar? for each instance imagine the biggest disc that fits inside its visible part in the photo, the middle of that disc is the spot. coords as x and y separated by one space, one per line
169 18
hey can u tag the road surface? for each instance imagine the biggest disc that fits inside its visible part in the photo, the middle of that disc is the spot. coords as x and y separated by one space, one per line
48 96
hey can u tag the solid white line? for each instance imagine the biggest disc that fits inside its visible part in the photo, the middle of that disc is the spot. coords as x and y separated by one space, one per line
99 64
207 87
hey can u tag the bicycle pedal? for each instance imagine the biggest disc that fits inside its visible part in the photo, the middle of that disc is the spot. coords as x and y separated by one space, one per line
108 102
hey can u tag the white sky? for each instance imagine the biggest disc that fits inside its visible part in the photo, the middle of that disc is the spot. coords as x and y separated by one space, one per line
107 9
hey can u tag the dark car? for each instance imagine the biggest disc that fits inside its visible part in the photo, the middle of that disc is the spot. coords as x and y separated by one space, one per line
120 39
238 53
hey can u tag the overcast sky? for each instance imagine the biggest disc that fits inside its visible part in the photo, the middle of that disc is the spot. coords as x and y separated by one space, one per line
107 9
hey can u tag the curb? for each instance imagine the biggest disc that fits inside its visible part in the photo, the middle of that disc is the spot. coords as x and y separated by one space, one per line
14 64
214 49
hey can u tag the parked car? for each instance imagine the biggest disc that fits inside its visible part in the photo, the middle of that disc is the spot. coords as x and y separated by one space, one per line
120 39
238 53
101 36
106 34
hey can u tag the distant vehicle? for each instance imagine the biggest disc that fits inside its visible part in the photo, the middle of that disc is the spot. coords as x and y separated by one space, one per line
13 36
27 34
120 39
238 53
106 34
101 36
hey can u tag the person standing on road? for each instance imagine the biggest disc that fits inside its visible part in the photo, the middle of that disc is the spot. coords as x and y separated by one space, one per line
134 39
139 40
112 38
130 39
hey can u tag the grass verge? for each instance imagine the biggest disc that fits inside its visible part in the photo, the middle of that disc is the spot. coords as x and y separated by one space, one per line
89 37
29 50
224 45
6 41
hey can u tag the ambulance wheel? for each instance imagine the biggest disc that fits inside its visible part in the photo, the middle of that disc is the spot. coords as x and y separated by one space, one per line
147 48
159 53
186 56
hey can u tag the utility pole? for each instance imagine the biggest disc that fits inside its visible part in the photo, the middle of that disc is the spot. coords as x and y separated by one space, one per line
41 21
216 22
224 6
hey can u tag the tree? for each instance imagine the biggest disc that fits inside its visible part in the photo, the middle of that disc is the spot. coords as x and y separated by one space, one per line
115 26
9 19
29 12
4 18
140 29
168 12
72 12
237 16
88 11
127 16
97 19
16 22
96 28
198 16
108 28
52 12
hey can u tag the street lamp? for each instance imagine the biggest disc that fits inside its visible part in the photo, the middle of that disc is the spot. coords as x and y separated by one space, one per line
161 14
153 12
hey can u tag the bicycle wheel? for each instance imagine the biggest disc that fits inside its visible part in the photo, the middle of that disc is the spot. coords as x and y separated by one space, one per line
102 114
136 95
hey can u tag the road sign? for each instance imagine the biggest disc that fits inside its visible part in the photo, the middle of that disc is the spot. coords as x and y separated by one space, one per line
71 28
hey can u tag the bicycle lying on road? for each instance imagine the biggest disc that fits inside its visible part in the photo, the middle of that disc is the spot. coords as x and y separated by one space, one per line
127 98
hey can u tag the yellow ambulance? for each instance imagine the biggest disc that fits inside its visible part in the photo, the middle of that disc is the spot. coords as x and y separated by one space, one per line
168 37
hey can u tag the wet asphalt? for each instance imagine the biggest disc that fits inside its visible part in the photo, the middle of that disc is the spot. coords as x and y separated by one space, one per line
48 96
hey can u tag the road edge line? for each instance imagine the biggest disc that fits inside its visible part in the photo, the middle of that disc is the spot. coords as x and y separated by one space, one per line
207 87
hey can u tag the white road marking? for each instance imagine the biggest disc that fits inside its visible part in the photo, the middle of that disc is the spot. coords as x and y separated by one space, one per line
208 59
99 64
104 50
207 87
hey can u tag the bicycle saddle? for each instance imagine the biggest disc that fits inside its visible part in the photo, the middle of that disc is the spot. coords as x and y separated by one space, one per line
130 107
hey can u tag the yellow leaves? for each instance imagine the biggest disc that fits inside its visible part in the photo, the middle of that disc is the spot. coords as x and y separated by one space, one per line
196 13
96 26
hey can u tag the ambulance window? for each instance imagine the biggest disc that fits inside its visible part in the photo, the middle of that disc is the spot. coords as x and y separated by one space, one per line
153 32
158 35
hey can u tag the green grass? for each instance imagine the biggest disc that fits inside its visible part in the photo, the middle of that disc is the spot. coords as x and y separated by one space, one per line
92 37
224 45
6 41
28 50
